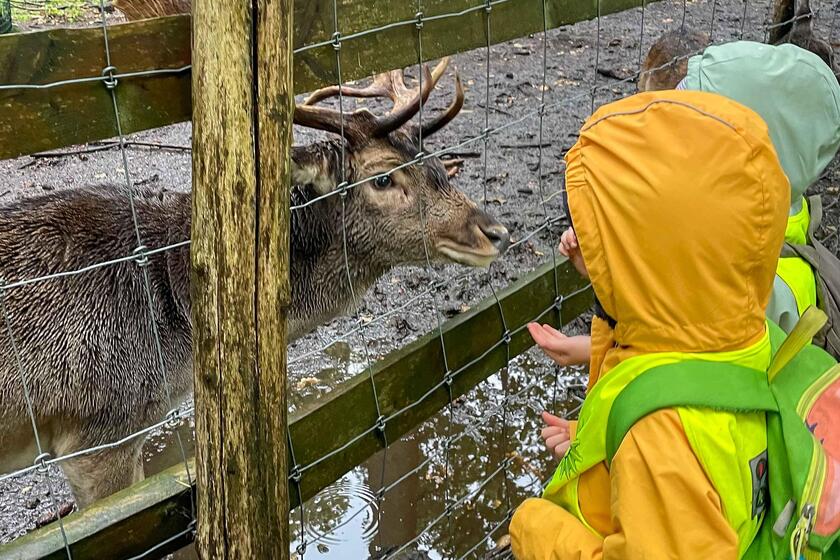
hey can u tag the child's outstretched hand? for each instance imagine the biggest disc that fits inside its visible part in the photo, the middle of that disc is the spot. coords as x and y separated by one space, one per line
564 350
569 248
556 434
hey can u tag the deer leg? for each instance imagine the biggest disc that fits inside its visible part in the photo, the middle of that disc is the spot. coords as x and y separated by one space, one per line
95 476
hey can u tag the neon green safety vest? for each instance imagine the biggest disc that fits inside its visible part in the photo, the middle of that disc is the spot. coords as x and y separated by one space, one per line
796 481
794 271
726 461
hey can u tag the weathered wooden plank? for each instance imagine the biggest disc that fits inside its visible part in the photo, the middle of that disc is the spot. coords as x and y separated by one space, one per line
402 378
242 137
396 47
39 119
42 119
123 525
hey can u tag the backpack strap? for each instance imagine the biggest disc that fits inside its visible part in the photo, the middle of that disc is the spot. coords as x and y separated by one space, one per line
694 383
815 208
809 324
705 384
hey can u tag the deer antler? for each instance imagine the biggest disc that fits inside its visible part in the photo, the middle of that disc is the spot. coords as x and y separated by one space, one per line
361 124
451 112
388 84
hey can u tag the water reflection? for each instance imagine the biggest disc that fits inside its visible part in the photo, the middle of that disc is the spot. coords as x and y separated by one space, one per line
482 454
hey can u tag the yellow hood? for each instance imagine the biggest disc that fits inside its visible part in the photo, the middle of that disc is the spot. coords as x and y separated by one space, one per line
679 204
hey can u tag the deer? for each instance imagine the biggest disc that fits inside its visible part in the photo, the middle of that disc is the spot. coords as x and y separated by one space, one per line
666 63
667 60
794 23
81 348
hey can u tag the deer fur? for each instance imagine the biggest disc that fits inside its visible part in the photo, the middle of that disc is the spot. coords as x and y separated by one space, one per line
795 24
667 60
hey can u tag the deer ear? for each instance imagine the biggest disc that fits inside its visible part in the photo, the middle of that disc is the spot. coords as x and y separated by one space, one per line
315 167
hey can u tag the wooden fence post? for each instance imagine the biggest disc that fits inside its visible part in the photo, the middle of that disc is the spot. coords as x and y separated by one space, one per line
242 122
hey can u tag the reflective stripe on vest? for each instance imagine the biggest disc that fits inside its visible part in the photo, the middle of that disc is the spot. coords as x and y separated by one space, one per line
726 465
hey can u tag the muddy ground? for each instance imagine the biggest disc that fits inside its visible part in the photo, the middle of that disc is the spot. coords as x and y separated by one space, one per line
514 194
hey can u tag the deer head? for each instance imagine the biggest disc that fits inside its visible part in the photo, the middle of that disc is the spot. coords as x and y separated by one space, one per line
398 211
794 23
667 60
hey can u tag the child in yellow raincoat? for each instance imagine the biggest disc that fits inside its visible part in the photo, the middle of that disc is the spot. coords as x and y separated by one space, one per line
679 203
798 97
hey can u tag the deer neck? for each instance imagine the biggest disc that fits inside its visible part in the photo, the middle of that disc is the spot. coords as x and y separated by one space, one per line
318 272
322 267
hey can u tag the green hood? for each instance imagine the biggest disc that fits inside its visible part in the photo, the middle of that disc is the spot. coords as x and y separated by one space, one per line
792 89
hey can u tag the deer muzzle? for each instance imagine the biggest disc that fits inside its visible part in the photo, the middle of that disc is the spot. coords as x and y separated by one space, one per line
478 243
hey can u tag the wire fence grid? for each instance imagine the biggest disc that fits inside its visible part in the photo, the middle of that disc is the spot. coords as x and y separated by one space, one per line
510 394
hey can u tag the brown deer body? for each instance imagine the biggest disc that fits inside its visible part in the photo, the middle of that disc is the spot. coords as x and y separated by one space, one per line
85 344
794 23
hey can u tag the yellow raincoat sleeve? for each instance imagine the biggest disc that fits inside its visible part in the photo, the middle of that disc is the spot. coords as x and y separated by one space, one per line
663 506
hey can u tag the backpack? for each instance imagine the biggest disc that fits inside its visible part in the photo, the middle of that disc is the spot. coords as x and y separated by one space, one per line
798 484
826 267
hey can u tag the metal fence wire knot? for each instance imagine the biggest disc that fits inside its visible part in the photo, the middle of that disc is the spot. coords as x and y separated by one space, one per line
342 189
142 259
111 81
41 462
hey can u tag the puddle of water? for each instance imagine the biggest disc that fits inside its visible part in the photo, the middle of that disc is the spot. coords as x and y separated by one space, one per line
310 378
350 520
162 449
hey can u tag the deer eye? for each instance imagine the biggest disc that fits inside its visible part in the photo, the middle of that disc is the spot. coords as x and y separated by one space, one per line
382 182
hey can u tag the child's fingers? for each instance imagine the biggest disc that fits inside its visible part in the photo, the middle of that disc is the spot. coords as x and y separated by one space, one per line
560 450
538 334
552 420
552 338
555 332
554 441
551 431
569 239
568 234
554 345
563 249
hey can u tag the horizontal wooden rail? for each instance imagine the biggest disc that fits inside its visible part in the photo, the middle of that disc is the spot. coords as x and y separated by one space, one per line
33 120
158 509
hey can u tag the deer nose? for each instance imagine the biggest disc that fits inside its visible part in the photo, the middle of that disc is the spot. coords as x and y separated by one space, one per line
498 235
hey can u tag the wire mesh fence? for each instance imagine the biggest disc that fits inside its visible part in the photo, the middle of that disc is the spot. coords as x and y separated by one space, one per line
448 489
